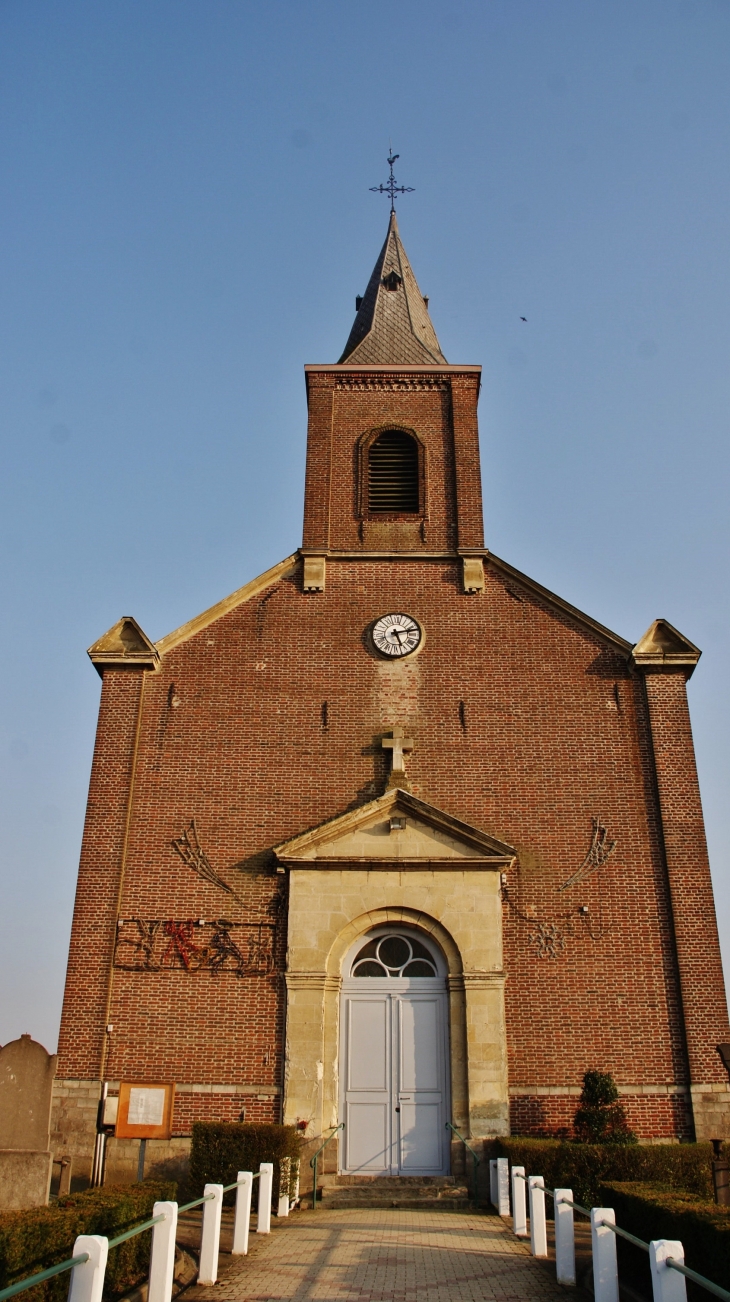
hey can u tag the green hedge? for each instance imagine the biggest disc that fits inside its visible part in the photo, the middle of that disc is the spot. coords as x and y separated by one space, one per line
39 1237
221 1149
585 1167
655 1212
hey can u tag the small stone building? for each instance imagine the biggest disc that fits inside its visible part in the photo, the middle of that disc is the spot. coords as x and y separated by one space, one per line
393 835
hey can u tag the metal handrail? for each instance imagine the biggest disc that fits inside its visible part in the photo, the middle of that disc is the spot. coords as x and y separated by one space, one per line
698 1279
449 1126
313 1162
138 1229
640 1243
195 1203
227 1187
12 1289
81 1260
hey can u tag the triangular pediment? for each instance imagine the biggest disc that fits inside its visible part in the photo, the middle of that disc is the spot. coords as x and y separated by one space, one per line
395 828
125 644
664 646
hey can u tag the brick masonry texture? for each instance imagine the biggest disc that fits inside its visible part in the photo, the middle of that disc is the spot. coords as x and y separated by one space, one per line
667 1117
527 723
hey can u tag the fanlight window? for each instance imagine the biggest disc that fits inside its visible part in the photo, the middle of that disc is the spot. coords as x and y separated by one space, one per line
393 482
394 956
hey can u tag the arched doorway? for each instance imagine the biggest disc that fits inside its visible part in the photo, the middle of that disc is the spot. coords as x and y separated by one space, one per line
394 1039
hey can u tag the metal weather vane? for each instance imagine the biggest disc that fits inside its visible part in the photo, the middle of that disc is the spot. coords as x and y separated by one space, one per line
391 189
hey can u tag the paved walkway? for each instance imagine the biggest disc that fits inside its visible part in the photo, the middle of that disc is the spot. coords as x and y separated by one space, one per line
384 1256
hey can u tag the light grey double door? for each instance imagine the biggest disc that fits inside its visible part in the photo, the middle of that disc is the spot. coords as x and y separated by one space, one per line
393 1073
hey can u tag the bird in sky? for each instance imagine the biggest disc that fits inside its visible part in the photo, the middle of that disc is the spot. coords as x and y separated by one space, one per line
523 318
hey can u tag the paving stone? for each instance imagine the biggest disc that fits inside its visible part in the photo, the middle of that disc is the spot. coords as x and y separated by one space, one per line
370 1255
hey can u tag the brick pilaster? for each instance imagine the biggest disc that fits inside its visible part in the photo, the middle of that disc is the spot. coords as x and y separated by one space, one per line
83 1025
470 523
320 390
695 926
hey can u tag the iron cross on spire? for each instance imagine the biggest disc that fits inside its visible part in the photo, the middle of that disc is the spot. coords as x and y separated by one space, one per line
391 188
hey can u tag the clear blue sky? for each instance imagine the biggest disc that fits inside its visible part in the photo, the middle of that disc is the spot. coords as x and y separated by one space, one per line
185 221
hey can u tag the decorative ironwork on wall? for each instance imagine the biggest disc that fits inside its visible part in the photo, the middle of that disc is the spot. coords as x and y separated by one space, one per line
192 853
548 936
195 945
599 854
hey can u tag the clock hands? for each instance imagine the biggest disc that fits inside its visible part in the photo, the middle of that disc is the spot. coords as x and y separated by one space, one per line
396 635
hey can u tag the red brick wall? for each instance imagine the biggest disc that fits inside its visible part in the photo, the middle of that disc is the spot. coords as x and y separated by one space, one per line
83 1035
650 1116
526 724
555 733
345 406
698 950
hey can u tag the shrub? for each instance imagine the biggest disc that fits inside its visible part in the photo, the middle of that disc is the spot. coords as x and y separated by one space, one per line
38 1237
585 1167
656 1212
221 1149
599 1117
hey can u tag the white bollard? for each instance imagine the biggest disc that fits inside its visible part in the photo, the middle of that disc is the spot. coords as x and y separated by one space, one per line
162 1257
266 1179
242 1218
564 1237
603 1245
538 1226
493 1190
87 1281
667 1284
211 1235
519 1202
503 1186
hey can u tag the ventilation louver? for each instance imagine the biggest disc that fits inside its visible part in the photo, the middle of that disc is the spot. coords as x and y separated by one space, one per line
393 474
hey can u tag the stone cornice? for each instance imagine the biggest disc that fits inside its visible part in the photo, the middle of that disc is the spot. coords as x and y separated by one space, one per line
470 864
302 851
124 646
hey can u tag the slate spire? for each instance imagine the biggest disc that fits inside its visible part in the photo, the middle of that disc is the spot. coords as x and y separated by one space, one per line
392 325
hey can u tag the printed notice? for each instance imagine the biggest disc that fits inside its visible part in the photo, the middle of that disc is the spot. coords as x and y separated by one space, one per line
146 1106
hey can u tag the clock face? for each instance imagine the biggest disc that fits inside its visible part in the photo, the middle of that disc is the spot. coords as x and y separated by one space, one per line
397 635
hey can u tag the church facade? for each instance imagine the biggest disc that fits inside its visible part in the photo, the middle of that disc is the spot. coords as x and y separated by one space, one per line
393 836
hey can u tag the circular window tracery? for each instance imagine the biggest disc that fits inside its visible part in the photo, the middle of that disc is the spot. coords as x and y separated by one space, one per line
394 956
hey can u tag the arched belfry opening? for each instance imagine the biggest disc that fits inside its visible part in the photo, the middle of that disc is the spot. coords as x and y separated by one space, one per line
393 474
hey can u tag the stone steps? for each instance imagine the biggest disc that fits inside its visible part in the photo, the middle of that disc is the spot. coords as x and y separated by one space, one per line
428 1193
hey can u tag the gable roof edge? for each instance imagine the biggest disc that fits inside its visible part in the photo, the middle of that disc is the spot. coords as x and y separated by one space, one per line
565 608
251 589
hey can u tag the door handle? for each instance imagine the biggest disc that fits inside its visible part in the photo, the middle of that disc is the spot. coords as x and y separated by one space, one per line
397 1109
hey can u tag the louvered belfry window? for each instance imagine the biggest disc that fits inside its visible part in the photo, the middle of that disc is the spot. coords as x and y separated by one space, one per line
393 474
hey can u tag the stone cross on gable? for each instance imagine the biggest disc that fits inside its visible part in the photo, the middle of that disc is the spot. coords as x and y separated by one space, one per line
400 746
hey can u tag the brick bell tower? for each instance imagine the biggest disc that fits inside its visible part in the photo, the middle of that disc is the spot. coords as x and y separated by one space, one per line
393 451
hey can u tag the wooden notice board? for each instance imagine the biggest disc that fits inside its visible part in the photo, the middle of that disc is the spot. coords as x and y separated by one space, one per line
145 1110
